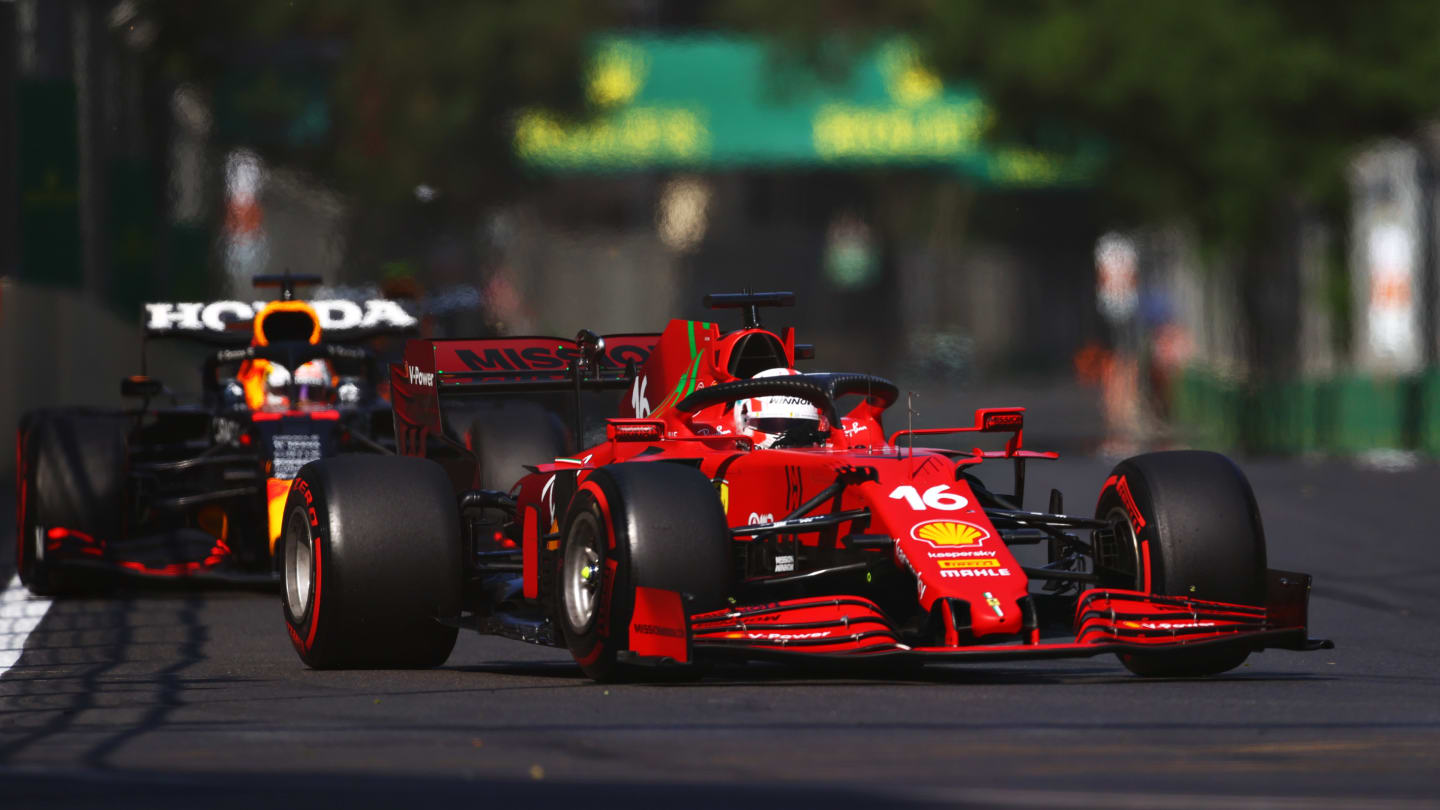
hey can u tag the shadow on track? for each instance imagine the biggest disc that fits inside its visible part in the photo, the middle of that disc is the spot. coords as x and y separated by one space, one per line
888 675
91 643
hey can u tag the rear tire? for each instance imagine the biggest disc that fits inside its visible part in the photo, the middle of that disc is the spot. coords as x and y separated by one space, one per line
654 525
71 476
1196 516
371 558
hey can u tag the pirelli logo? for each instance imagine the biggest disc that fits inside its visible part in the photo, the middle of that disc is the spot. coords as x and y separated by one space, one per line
991 563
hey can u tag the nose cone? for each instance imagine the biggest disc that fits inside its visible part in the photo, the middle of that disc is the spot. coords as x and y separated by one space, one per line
993 613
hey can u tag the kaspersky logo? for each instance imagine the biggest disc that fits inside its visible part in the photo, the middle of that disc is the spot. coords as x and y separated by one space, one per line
949 533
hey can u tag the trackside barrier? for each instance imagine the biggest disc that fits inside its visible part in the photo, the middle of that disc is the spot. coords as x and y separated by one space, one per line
1343 415
59 348
1430 407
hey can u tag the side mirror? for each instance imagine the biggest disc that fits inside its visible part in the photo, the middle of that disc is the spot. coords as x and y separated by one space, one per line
141 386
591 344
592 348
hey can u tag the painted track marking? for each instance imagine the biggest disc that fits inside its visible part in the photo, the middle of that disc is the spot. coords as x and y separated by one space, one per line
20 614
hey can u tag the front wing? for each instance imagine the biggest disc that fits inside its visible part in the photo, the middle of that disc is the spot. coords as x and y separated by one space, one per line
187 555
1106 621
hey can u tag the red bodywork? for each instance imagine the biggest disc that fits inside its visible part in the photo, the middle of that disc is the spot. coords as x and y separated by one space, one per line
962 569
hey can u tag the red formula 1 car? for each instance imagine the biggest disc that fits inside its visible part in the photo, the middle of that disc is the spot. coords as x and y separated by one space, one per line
736 507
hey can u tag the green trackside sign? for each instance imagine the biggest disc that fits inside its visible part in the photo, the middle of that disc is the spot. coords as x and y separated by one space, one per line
719 102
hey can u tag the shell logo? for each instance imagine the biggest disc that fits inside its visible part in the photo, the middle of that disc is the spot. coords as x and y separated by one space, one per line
941 533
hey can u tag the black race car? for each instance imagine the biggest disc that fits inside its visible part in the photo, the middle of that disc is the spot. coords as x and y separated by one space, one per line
194 489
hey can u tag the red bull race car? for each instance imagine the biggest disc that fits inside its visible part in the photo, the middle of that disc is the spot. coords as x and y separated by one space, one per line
195 490
734 507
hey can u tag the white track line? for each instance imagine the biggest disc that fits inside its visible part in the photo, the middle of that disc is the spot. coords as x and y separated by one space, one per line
20 613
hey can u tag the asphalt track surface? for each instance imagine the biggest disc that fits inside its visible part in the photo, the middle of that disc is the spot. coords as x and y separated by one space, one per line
189 698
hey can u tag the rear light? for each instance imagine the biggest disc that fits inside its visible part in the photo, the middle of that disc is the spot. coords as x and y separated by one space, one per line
1001 420
634 430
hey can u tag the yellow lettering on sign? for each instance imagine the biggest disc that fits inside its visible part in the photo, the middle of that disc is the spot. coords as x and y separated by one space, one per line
1027 166
635 135
932 131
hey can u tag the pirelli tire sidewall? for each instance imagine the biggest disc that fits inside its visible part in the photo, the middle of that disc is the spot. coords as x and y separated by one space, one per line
595 644
384 549
1198 531
304 505
660 525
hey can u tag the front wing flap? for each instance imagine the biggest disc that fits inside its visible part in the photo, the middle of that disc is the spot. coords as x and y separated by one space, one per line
187 555
1106 621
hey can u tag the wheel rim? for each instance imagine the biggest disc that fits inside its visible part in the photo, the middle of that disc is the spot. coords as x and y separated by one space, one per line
580 573
299 564
1123 563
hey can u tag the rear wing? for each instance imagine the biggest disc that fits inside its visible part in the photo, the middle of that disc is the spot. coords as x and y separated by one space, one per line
227 323
434 370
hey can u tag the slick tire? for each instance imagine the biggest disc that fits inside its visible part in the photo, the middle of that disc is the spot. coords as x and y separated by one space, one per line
71 477
371 558
1192 516
506 437
654 525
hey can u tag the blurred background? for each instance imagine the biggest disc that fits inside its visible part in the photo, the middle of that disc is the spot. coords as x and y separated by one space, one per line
1156 224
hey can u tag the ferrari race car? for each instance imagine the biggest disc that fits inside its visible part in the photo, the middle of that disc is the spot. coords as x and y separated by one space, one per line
196 490
733 508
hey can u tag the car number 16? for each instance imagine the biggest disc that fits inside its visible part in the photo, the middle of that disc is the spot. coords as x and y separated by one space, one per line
938 497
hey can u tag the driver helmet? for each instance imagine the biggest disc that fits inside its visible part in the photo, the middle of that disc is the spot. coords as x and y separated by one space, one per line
277 387
312 382
768 420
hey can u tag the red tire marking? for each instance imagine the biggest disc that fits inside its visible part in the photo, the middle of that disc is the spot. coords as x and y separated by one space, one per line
1109 482
315 604
1145 563
604 504
1123 487
602 619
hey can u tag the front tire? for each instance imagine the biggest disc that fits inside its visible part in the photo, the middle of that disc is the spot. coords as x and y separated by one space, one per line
71 478
371 559
652 525
1186 524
